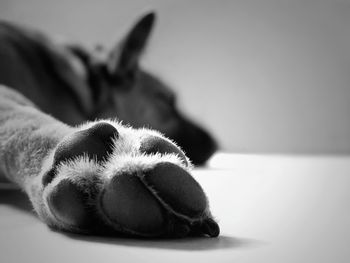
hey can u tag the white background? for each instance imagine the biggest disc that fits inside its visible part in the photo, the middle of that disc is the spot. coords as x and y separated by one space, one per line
263 76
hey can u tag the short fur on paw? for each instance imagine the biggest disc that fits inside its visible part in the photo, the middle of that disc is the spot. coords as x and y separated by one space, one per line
106 178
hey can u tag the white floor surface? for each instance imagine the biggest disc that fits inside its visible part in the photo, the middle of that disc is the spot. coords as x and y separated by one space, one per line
270 209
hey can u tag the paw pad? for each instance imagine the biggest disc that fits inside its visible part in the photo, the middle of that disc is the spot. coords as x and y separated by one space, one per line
95 142
66 203
154 144
177 188
127 203
161 201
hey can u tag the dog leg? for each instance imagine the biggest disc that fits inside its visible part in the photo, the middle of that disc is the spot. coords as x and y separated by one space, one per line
101 177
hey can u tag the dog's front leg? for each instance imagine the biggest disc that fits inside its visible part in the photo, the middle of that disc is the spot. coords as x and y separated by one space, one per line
101 177
27 136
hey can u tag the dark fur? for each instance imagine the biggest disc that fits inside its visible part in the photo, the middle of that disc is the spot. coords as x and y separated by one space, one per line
115 86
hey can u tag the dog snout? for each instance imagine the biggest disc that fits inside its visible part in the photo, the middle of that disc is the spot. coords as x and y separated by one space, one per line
196 142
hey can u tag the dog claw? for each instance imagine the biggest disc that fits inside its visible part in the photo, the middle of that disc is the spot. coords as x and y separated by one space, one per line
210 227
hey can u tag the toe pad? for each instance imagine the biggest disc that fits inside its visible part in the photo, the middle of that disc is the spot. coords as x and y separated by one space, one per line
129 204
66 204
177 188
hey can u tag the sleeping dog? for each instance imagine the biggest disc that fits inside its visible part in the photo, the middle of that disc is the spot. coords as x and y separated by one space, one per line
74 85
100 177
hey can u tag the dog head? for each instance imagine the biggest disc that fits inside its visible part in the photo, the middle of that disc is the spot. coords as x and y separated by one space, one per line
122 88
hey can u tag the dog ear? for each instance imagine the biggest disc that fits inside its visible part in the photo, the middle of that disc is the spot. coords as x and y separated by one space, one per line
124 58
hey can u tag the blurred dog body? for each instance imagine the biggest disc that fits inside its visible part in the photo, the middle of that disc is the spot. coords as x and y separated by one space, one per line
75 85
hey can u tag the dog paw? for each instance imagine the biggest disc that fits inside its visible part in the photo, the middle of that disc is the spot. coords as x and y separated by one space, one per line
107 179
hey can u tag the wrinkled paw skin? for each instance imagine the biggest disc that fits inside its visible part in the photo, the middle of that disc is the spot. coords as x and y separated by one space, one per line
106 178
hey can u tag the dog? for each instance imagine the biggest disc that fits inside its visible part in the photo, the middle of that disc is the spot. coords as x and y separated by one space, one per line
75 85
100 177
